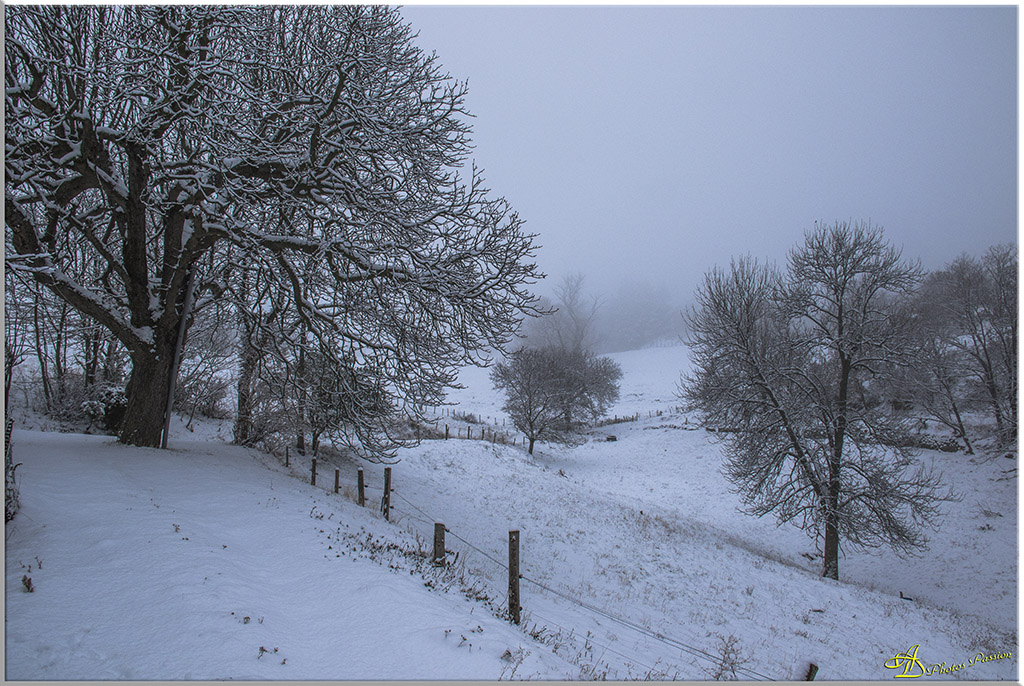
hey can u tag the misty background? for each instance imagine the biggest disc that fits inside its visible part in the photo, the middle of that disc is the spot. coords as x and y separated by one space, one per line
646 145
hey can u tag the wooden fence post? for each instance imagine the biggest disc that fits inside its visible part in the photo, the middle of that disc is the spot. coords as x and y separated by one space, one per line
287 459
513 576
312 478
438 543
386 503
446 432
337 481
361 488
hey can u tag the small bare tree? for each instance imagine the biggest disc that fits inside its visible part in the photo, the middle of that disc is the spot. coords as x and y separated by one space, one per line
550 393
788 365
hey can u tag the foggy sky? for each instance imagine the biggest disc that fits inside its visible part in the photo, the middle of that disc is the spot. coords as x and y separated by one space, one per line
653 143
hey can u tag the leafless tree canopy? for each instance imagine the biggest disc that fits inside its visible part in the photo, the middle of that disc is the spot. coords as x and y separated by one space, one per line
788 365
569 322
551 392
153 152
968 313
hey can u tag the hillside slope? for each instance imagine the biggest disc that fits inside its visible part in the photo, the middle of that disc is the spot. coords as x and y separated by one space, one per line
636 562
211 562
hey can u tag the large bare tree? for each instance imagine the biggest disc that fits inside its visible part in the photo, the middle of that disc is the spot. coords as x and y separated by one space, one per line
787 365
315 143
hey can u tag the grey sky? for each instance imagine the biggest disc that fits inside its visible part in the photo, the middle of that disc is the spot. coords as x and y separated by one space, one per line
660 141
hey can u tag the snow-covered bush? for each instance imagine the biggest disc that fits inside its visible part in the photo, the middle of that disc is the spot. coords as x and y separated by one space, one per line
106 408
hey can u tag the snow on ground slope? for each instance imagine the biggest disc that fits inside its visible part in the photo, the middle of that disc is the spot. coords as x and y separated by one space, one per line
646 526
210 562
635 562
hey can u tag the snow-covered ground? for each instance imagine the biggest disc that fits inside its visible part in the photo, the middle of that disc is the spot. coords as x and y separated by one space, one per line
145 564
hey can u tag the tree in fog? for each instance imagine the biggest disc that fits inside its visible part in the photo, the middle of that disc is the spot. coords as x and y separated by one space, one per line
789 365
570 321
167 145
972 312
551 393
936 386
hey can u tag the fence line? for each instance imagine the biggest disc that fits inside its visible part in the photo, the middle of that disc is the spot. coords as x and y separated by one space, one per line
639 628
571 635
658 636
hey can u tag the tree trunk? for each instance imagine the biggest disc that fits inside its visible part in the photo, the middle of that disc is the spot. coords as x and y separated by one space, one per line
10 362
532 439
300 377
147 397
91 346
830 562
243 415
179 343
44 377
994 401
110 370
960 428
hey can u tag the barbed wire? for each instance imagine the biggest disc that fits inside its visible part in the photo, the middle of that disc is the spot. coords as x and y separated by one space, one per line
569 634
454 535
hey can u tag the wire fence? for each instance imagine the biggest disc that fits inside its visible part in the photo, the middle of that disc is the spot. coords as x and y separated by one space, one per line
421 517
672 642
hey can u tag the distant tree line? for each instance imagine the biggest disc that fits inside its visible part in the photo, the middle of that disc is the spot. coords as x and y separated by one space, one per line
635 315
965 345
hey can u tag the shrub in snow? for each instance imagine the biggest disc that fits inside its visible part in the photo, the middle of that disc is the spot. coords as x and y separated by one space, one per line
107 408
729 658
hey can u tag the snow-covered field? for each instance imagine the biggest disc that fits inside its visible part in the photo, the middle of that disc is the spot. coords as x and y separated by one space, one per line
210 561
